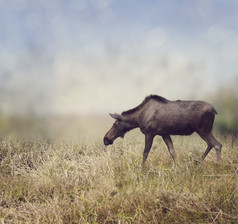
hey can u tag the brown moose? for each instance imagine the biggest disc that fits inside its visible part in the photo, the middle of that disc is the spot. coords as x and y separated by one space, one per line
159 116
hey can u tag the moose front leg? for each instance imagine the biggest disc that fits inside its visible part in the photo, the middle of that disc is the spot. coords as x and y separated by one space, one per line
168 141
148 143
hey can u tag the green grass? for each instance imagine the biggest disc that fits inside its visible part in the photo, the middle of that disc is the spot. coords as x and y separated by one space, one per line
78 180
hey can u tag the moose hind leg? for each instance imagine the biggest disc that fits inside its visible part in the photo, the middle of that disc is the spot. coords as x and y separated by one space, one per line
212 142
218 148
168 141
209 147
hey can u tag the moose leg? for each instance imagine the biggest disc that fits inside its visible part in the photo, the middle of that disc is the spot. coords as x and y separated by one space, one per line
148 143
209 147
217 146
211 142
168 141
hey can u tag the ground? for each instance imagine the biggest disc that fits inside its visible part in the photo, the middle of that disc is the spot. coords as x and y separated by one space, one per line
74 178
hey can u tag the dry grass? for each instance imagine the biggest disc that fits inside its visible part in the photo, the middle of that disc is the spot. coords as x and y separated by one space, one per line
78 180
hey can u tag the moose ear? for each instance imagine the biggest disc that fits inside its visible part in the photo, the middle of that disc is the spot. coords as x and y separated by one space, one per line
116 116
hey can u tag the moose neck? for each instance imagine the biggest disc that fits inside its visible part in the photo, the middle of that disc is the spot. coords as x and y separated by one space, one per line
131 119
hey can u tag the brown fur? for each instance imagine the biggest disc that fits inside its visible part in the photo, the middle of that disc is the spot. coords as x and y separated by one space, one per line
159 116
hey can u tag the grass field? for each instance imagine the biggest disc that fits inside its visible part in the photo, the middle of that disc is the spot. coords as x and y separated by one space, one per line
74 178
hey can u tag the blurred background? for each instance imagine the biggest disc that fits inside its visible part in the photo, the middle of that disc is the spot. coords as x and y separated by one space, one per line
77 58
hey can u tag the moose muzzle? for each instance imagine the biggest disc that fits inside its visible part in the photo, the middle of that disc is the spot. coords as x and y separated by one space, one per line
107 141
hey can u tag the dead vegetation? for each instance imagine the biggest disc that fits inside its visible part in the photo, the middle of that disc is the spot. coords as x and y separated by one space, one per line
78 180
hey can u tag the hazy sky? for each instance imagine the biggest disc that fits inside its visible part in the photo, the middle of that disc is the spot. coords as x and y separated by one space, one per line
85 56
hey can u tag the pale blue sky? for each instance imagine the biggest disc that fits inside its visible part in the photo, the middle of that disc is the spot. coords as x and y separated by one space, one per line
83 56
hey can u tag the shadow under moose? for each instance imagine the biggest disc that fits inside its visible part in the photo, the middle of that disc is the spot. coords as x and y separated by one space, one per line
159 116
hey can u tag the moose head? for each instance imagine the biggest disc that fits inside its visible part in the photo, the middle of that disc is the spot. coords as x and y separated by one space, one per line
118 129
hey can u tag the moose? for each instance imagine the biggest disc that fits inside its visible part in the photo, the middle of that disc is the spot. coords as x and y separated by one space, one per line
158 116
